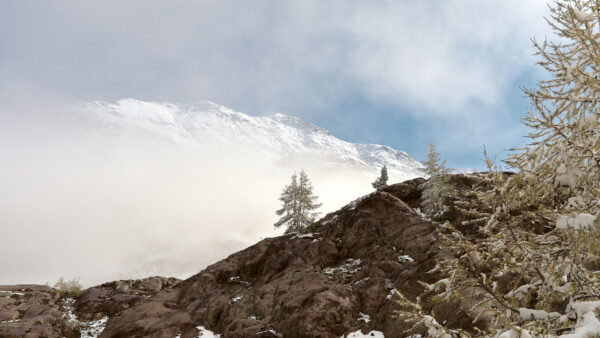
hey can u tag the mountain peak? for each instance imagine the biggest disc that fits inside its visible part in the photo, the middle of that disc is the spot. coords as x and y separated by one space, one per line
281 136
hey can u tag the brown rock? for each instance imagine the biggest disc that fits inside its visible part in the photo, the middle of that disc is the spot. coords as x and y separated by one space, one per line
29 311
109 299
38 311
338 279
312 285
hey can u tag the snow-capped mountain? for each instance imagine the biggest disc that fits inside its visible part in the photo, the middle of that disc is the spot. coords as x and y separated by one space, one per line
279 136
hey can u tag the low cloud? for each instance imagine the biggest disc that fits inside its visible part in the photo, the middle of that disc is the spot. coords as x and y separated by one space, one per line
78 200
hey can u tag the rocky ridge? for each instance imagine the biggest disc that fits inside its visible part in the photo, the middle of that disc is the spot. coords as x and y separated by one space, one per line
339 278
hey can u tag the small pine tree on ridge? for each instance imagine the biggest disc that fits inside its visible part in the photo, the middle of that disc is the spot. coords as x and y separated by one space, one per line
299 204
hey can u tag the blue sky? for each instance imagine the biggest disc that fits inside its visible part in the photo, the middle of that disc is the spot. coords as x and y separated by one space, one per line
400 73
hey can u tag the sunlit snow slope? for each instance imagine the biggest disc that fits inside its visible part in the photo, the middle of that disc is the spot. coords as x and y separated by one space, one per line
133 189
281 137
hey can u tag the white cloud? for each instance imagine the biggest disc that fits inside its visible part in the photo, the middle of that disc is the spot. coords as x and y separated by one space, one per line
259 56
81 199
439 56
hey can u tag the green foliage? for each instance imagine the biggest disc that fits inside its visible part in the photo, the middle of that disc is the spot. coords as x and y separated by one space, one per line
381 181
68 288
299 203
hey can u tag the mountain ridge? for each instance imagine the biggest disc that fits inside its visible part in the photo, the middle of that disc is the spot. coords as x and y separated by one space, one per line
345 277
280 136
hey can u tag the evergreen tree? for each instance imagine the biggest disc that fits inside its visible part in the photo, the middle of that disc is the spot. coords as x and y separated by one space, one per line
381 181
289 208
437 188
299 203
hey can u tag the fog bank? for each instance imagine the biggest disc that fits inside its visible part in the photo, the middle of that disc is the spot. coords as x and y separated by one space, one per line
81 201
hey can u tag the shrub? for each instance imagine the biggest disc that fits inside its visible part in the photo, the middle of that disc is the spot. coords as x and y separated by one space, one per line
68 288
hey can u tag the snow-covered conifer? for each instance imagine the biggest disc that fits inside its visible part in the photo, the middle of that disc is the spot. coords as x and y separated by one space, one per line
381 181
299 204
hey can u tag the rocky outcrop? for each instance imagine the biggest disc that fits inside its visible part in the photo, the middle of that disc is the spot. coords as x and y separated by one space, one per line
30 311
42 311
339 278
110 299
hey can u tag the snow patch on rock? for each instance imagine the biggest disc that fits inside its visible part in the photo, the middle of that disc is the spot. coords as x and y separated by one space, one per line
204 333
359 334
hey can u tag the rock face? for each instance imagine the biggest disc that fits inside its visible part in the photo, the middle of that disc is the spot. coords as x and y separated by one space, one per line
110 299
339 278
29 311
41 311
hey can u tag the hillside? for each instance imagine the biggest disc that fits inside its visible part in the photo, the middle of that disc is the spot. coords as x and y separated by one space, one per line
339 279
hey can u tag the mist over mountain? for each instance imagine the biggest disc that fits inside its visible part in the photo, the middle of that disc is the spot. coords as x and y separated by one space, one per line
104 191
279 137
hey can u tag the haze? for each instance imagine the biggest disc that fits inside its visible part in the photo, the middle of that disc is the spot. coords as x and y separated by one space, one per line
81 201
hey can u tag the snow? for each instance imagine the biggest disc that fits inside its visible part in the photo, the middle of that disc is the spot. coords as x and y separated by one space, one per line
278 135
405 259
362 280
420 213
563 289
351 266
391 294
94 328
580 221
522 290
8 294
309 235
237 279
364 317
91 329
433 328
588 327
582 308
273 332
583 16
587 324
328 220
9 321
359 334
435 286
515 332
527 314
575 202
204 333
236 299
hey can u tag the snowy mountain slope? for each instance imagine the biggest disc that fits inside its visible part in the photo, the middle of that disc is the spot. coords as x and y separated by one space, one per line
279 136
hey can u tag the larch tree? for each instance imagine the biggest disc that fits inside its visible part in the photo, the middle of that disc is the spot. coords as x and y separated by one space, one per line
437 188
299 204
534 261
381 181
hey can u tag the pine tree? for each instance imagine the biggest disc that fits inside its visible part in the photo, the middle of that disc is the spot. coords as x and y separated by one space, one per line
299 203
289 199
437 188
381 181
